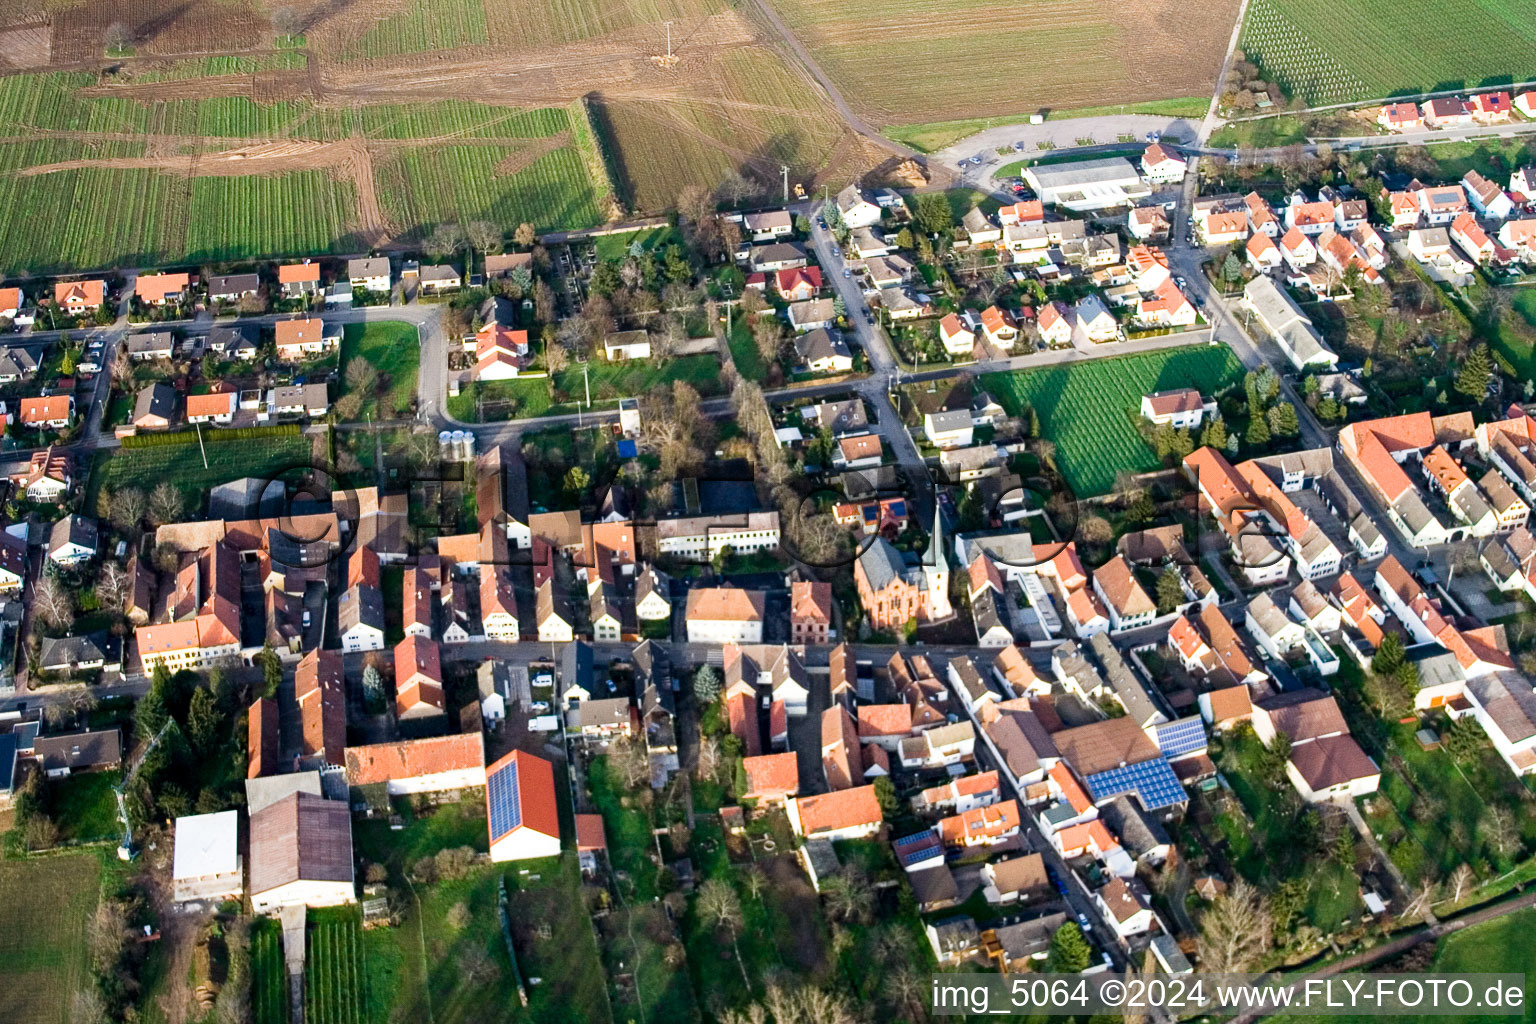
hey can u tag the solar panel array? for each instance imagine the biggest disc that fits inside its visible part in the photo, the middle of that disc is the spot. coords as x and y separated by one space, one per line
914 848
1184 736
501 794
1152 781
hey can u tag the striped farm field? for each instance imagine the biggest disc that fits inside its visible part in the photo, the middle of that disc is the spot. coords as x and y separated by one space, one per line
909 61
335 986
269 974
1088 408
111 180
422 26
1333 51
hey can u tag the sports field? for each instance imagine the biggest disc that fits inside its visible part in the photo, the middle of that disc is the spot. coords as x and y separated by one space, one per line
1088 409
938 60
45 908
1332 51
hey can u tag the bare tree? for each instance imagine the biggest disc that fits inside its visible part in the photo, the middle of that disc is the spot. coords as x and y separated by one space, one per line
165 504
629 758
53 603
556 358
112 587
361 375
709 757
1461 881
127 509
849 896
117 36
1235 931
445 239
768 335
719 904
86 1006
483 235
1499 826
904 988
287 22
525 236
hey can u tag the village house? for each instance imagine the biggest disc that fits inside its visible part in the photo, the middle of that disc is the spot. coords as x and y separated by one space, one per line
299 280
297 339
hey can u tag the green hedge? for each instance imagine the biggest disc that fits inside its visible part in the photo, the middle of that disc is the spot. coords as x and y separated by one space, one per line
212 435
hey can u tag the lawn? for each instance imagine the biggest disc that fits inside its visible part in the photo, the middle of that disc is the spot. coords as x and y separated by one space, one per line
618 247
85 807
1263 844
46 905
335 973
460 823
227 460
488 401
394 349
493 401
1331 51
1087 408
269 974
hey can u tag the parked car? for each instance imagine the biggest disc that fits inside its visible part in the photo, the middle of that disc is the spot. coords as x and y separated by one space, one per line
869 318
540 707
836 251
847 272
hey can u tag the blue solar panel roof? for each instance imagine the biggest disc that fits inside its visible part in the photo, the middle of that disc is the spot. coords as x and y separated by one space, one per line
1152 781
917 847
7 762
501 795
1185 736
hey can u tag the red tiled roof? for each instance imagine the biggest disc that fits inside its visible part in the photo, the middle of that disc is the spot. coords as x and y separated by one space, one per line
535 792
589 832
884 720
216 404
847 808
771 776
298 273
810 601
44 410
75 293
414 759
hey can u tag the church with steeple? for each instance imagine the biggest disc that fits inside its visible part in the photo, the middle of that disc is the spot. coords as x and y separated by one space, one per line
895 591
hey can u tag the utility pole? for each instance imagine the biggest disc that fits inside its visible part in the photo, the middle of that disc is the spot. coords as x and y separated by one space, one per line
669 43
784 170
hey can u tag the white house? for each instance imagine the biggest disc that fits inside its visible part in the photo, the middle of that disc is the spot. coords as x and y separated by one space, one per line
626 345
432 764
958 339
855 209
1162 166
725 615
1095 320
950 428
1182 409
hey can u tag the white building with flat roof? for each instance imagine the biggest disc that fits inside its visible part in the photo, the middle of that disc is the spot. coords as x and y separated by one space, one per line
206 863
1088 184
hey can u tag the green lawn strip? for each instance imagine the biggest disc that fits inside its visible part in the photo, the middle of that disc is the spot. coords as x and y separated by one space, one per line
628 829
394 349
488 401
610 382
573 985
617 247
1086 408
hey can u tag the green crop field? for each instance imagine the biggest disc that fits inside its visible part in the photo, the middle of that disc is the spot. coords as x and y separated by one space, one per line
422 26
46 906
227 460
84 191
269 974
335 972
1333 51
1088 408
